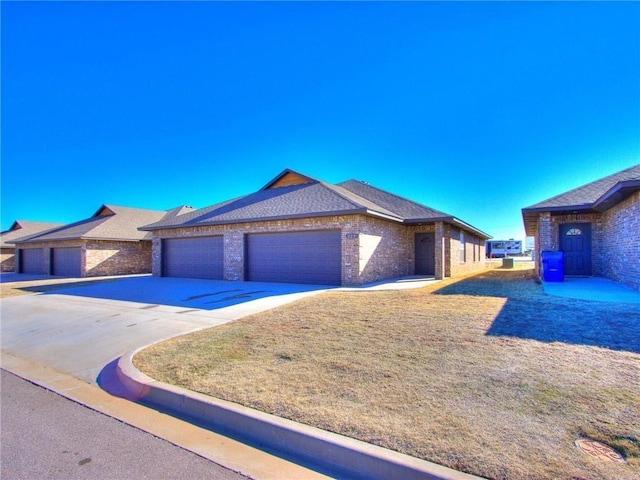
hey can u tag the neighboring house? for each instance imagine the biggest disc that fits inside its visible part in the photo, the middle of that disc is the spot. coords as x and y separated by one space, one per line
597 226
107 243
19 229
301 230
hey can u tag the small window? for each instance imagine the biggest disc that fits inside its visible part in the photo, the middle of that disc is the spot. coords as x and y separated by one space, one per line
462 248
573 231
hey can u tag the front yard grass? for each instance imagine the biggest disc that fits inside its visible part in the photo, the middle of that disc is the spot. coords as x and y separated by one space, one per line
487 375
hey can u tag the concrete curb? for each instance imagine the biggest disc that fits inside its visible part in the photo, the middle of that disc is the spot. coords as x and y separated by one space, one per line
331 453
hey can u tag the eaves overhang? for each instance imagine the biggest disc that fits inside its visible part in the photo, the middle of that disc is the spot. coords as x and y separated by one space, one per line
66 239
355 211
616 194
448 219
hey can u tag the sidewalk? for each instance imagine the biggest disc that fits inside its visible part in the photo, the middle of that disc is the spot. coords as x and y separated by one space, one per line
596 289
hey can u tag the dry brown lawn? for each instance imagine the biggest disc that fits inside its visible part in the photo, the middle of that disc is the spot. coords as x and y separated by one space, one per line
487 375
19 287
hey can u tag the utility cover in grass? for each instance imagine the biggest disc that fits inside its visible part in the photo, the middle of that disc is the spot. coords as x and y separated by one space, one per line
599 450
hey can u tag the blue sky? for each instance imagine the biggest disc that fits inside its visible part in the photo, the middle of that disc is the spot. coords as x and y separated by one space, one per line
476 109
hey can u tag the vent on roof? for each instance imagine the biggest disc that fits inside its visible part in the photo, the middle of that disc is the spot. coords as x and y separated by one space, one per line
290 178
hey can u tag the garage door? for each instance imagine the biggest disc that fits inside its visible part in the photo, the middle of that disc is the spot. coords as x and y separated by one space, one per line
31 261
200 257
300 257
66 262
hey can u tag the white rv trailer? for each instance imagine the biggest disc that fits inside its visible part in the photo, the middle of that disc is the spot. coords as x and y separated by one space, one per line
503 248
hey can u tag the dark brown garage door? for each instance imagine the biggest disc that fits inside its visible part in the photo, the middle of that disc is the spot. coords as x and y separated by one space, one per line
200 257
300 257
65 262
31 261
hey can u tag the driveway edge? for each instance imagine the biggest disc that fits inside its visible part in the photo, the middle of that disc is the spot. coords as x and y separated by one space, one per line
336 454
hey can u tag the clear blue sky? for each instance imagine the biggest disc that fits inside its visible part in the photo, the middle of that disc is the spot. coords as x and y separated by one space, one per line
476 109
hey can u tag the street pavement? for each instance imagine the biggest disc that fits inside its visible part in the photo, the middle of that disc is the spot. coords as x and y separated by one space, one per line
46 436
67 341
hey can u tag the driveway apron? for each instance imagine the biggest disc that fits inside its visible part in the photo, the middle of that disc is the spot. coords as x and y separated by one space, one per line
80 330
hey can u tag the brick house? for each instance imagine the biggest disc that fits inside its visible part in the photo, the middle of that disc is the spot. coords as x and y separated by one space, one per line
19 229
301 230
596 225
107 243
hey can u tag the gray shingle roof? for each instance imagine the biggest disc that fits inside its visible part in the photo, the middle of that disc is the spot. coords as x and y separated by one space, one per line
110 222
587 195
24 229
596 196
310 199
402 207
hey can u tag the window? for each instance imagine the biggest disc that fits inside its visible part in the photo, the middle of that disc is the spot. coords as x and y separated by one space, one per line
462 249
573 231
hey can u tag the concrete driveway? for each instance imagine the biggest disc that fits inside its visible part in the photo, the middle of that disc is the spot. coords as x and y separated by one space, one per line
81 329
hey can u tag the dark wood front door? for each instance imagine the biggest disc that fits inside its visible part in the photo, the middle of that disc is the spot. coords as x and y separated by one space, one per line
575 242
425 254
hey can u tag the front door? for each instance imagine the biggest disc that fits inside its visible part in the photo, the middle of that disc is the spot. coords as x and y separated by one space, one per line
575 242
425 254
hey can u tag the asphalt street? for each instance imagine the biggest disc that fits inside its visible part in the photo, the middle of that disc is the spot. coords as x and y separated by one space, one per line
46 436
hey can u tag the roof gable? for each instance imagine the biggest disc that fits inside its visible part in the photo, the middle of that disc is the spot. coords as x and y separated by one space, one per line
104 211
288 178
108 223
293 195
25 229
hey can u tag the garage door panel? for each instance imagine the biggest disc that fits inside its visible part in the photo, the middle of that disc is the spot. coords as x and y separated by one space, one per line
200 257
32 261
297 257
66 262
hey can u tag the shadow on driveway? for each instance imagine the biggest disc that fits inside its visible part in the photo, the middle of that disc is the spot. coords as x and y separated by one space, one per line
531 314
180 292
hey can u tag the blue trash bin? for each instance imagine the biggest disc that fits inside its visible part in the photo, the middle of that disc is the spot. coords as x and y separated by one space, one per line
552 266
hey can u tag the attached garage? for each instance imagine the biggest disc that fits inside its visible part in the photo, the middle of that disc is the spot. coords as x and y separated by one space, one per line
32 261
198 257
312 257
66 262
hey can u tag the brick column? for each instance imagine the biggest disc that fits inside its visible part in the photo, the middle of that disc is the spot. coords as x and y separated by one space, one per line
544 239
440 251
234 255
156 256
48 267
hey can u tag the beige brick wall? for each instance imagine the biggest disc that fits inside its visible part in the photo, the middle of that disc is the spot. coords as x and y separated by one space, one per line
117 258
101 257
372 249
621 242
549 236
615 240
7 259
474 254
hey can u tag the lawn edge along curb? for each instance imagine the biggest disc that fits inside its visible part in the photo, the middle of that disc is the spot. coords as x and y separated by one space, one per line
342 456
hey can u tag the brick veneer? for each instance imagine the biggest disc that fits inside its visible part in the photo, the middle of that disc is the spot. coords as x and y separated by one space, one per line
117 258
621 242
101 257
615 240
372 249
7 259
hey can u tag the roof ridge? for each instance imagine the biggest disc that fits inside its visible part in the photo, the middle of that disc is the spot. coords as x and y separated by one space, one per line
336 189
397 196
